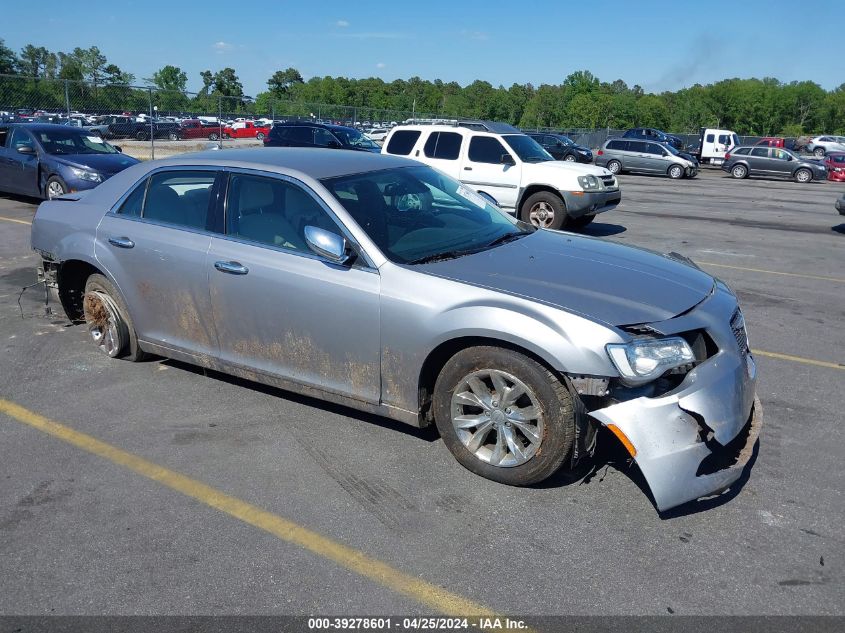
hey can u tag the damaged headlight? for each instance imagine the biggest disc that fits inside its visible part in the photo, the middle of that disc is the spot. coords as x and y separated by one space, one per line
643 360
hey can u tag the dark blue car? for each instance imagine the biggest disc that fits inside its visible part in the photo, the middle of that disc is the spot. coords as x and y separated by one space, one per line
48 160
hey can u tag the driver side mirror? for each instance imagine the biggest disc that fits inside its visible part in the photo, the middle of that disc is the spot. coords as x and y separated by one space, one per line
120 149
507 159
327 244
26 149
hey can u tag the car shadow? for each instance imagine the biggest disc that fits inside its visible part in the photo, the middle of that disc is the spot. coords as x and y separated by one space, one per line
428 434
601 229
14 197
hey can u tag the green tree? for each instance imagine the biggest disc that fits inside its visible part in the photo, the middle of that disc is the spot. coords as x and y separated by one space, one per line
8 59
282 81
170 78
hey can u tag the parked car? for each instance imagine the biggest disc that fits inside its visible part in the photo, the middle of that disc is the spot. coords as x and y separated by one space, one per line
511 169
194 128
120 126
305 134
835 163
378 133
246 129
517 343
563 148
46 160
771 162
646 157
713 144
651 134
772 141
840 204
99 130
821 145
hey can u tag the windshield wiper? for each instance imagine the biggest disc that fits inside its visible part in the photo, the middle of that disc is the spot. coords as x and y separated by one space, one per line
508 237
437 257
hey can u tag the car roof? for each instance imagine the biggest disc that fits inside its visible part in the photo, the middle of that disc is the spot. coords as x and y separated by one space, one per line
39 127
315 162
325 126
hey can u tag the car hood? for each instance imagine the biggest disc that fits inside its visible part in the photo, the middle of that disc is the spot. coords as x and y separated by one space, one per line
553 168
604 281
580 148
103 163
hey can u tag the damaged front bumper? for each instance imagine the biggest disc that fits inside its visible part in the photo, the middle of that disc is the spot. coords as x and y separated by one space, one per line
695 440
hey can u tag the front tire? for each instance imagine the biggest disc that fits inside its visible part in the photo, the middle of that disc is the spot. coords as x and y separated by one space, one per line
570 158
803 175
54 188
173 136
739 171
503 415
260 136
213 137
545 210
108 321
819 152
676 172
614 167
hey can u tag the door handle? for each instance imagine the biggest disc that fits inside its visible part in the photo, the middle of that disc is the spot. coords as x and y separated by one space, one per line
233 268
121 242
467 168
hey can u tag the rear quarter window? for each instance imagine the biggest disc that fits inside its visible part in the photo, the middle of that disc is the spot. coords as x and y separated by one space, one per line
619 146
444 145
742 151
402 142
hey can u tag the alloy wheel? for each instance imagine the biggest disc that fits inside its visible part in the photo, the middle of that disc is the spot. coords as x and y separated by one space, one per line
541 214
55 189
105 326
497 418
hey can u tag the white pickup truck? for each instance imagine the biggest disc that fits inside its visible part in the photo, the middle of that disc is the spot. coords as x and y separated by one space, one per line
512 170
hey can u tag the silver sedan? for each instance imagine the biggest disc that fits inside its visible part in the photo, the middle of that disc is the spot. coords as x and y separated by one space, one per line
382 284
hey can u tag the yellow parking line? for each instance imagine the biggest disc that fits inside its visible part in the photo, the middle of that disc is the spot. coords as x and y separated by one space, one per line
799 359
353 560
15 220
775 272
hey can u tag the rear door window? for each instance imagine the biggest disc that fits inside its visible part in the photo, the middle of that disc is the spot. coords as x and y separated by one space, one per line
760 152
445 145
486 149
180 198
402 142
617 145
709 138
4 136
300 134
654 148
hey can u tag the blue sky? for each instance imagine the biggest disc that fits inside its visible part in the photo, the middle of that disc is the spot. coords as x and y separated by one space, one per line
659 45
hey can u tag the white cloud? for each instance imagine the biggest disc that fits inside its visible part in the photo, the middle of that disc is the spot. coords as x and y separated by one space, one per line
342 24
381 65
222 47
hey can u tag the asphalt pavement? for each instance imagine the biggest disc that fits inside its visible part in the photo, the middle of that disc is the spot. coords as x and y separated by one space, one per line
87 530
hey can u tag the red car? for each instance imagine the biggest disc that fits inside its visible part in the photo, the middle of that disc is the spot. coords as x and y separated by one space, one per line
194 128
771 141
835 163
247 129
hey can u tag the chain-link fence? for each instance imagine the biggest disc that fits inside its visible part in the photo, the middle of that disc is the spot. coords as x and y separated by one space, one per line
149 123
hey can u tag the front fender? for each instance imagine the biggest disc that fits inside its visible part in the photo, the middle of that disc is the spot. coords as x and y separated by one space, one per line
419 313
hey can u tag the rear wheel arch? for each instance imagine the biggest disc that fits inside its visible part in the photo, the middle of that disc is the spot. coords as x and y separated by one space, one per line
71 278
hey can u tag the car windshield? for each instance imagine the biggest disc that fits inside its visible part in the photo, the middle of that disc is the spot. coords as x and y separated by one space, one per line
354 138
669 148
565 140
68 141
528 150
417 214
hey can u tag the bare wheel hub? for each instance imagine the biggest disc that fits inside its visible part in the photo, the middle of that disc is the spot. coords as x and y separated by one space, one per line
497 418
105 326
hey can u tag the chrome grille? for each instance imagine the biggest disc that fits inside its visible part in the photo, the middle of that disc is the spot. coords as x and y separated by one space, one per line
738 329
608 181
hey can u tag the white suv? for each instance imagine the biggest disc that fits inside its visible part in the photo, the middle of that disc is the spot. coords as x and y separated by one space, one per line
512 170
821 145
